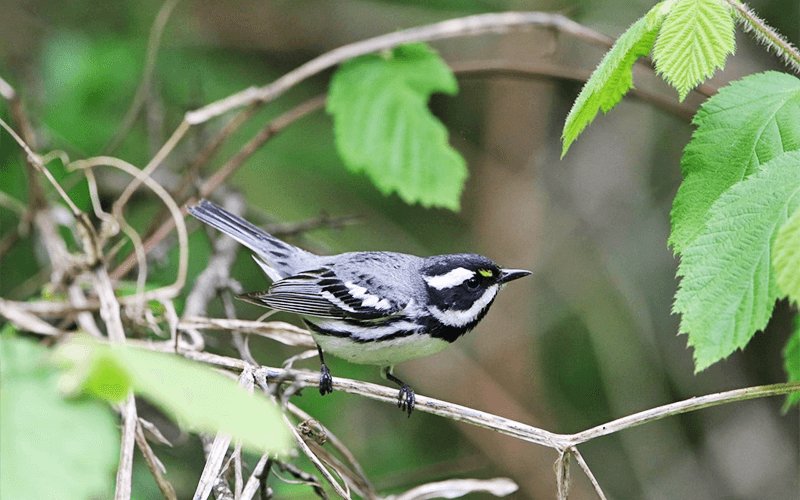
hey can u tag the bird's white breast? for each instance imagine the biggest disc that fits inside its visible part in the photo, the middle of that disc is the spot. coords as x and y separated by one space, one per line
381 353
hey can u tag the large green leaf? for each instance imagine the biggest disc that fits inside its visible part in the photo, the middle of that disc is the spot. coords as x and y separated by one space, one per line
49 447
383 126
728 288
695 39
786 257
613 77
194 394
748 123
791 363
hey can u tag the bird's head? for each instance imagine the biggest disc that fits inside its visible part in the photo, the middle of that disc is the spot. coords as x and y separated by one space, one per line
461 287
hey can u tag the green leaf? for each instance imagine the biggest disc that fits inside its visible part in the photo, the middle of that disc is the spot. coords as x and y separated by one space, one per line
50 448
791 363
728 289
613 77
695 39
194 394
786 258
748 123
383 126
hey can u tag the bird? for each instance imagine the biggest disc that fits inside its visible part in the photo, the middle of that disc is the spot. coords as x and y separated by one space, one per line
371 307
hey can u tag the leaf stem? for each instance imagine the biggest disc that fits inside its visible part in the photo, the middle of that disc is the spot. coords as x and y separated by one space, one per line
767 35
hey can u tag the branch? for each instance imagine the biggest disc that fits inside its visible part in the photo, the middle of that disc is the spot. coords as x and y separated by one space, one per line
519 430
466 69
692 404
264 135
153 44
465 26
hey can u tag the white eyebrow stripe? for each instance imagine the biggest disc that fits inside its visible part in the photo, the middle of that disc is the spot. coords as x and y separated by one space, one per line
454 317
451 279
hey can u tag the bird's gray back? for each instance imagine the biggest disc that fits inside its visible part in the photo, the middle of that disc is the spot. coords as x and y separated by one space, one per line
391 275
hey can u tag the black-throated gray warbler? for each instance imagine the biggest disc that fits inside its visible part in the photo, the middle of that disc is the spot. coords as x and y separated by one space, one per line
377 308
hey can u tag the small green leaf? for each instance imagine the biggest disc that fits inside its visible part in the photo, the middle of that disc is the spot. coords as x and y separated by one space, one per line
791 363
728 288
786 258
613 77
748 123
193 394
383 126
695 39
50 448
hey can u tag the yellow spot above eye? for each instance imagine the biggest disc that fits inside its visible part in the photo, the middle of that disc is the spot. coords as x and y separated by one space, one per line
486 273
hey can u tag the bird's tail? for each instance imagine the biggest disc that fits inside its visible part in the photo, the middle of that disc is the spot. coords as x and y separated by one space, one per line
277 258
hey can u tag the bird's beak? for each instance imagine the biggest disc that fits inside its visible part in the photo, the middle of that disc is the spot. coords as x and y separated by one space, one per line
511 275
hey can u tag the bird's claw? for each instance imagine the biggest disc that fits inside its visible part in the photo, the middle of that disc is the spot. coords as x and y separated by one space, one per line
325 381
406 399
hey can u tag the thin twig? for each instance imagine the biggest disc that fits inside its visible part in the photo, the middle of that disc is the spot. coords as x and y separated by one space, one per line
465 26
692 404
467 69
454 488
35 160
213 470
265 134
366 487
125 469
579 458
189 179
252 484
147 171
110 312
7 92
154 465
139 97
177 217
301 443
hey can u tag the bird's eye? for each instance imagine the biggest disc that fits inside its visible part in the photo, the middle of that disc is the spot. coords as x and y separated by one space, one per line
472 283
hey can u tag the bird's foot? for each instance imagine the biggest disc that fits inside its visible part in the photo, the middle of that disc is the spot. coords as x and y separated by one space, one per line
406 399
325 381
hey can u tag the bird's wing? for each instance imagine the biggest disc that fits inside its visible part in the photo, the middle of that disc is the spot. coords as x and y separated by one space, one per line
322 294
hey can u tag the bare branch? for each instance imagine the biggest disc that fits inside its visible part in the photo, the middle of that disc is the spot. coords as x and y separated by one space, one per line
465 26
477 68
216 453
154 465
139 97
125 469
579 458
252 484
455 488
145 173
7 92
361 480
301 443
497 423
266 133
26 320
692 404
276 330
177 218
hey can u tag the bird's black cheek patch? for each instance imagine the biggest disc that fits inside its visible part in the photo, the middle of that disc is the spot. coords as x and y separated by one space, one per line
457 298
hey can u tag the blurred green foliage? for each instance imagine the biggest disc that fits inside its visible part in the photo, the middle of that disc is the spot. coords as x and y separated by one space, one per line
76 442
